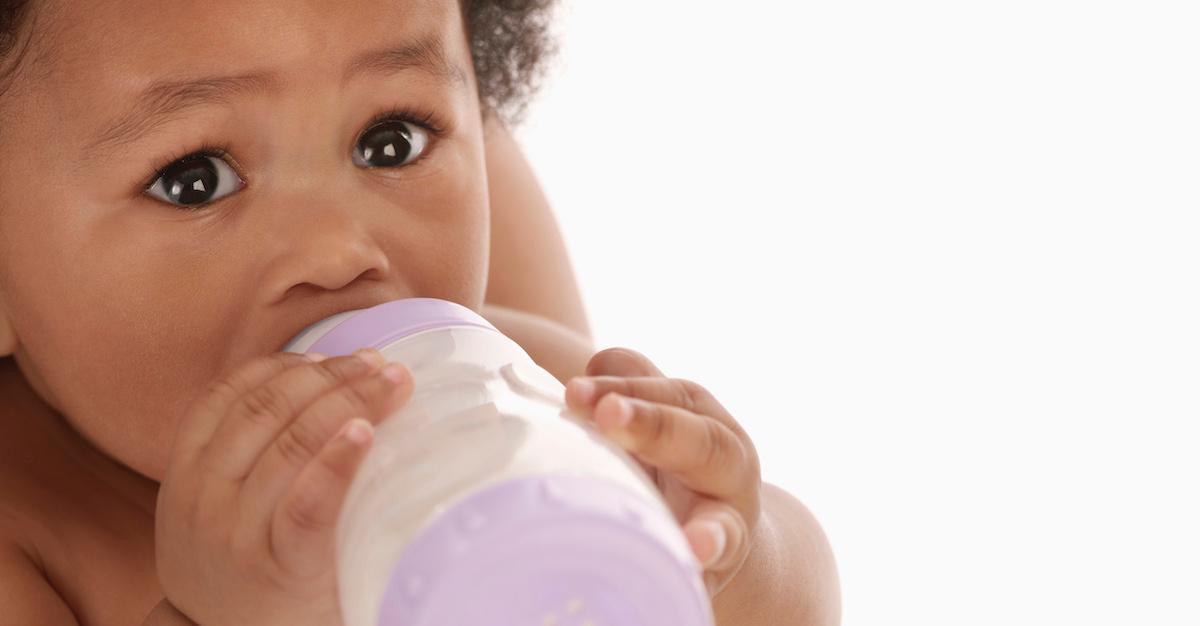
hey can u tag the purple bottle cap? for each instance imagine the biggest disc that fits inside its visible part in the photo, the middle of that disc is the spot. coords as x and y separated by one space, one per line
382 324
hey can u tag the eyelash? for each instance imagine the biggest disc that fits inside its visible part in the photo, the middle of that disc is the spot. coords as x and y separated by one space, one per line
424 118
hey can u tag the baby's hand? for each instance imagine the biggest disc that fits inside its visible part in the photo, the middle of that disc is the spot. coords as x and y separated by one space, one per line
260 467
701 459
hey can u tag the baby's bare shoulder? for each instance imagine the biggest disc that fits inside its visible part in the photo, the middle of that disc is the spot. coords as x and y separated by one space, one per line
40 463
14 516
26 474
67 538
29 597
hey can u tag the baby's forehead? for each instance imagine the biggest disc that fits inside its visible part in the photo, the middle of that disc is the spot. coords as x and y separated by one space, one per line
120 46
98 65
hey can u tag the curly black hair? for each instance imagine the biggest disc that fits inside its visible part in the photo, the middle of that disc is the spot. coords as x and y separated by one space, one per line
511 45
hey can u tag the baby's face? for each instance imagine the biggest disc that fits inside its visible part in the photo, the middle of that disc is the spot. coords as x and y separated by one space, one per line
122 303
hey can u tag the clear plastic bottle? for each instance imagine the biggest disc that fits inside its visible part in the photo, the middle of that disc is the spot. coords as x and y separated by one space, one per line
484 501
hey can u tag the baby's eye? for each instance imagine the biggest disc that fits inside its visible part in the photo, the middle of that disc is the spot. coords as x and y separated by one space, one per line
195 180
391 142
204 177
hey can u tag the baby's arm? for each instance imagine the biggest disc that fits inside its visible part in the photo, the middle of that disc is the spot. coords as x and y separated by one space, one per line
792 578
559 350
529 269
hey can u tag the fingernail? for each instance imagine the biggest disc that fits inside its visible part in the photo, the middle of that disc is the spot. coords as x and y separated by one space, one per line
395 373
717 533
623 410
370 356
315 357
357 430
582 389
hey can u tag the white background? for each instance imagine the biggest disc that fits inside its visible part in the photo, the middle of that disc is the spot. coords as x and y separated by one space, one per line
940 258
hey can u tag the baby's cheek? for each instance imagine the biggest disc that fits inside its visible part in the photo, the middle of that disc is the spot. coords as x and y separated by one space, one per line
132 414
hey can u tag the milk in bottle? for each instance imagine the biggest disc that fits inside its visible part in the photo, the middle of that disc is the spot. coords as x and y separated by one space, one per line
484 501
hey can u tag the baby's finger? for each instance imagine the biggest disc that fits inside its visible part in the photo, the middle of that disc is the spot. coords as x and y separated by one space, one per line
719 537
300 536
202 418
582 392
621 362
372 397
258 417
704 454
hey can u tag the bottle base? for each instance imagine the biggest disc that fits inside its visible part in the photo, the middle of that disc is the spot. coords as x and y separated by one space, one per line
548 550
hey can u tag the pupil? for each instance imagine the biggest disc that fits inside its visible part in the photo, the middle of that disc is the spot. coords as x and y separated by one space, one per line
388 145
191 180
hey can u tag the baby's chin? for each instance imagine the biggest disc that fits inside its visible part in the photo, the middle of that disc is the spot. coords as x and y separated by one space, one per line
143 449
152 466
152 458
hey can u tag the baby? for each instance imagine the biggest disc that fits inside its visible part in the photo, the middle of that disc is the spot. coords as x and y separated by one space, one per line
184 186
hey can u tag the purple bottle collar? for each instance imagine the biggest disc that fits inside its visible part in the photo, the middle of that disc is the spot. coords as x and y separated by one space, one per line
382 324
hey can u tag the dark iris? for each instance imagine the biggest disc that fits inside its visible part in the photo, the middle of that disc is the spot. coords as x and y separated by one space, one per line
192 180
386 144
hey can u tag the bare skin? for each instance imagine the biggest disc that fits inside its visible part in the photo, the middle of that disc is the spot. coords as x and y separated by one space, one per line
79 491
529 267
117 309
85 523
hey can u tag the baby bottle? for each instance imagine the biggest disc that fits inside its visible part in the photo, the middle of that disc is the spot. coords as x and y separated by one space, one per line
484 501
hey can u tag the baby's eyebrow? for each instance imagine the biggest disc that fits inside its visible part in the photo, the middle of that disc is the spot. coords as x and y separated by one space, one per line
165 99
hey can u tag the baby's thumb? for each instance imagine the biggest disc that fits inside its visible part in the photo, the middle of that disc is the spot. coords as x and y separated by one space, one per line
304 518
